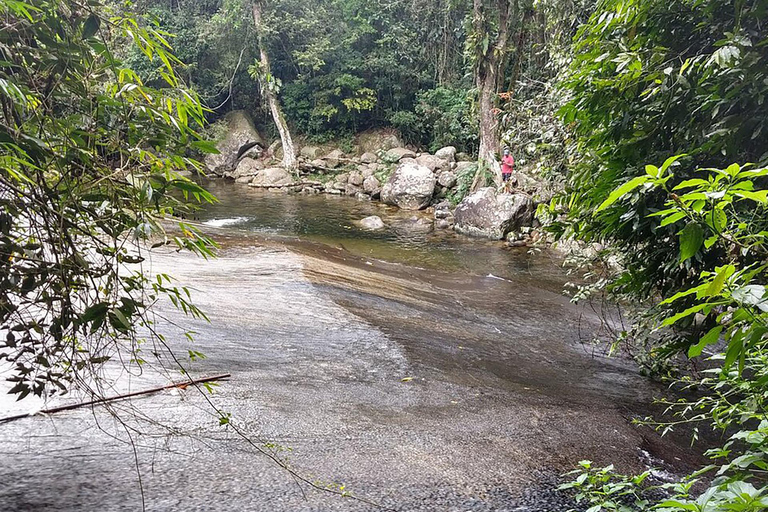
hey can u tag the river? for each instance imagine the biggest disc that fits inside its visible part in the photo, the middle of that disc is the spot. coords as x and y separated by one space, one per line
420 369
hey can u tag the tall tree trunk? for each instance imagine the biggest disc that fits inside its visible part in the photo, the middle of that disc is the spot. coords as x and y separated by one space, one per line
289 151
489 72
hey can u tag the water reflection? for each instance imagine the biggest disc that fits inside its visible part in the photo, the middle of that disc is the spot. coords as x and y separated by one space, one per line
406 240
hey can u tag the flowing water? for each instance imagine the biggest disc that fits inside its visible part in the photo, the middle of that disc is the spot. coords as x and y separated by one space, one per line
424 370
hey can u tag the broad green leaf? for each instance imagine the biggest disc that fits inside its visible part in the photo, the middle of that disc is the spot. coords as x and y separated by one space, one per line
622 191
672 219
691 240
695 182
708 339
716 286
688 312
669 162
91 26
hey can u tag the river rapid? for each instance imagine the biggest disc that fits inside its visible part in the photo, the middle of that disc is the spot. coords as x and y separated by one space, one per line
420 369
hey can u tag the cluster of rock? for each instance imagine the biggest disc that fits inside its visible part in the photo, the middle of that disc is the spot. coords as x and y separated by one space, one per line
395 175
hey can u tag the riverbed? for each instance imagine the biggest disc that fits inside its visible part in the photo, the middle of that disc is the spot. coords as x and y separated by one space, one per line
420 369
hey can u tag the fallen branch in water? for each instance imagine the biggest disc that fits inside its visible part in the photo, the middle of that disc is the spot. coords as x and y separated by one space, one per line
289 185
117 397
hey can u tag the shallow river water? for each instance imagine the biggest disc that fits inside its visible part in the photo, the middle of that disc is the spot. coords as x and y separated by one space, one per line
421 370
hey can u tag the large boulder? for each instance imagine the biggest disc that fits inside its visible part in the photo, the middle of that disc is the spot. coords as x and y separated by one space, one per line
490 215
447 179
272 177
410 187
434 163
333 159
356 179
371 184
447 153
310 152
378 139
240 137
245 168
394 155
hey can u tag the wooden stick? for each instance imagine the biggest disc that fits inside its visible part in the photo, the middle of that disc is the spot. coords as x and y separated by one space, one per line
289 185
118 397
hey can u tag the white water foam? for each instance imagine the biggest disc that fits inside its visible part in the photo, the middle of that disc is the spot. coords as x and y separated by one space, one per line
220 223
491 276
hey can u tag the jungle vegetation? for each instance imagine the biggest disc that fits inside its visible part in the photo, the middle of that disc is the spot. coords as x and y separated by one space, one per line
652 113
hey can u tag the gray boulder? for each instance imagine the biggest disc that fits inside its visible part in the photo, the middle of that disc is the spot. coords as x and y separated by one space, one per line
371 184
443 210
464 166
248 167
447 153
310 152
372 223
366 172
413 225
369 158
410 187
272 177
333 159
356 179
352 190
447 179
434 163
490 215
394 155
240 137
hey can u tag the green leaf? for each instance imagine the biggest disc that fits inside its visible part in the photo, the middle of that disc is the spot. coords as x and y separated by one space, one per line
672 219
669 162
691 240
91 26
688 312
622 191
708 339
716 286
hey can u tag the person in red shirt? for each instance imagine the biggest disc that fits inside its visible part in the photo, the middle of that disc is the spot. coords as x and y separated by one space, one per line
507 165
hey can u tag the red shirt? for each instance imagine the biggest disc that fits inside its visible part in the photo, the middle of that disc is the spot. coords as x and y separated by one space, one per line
507 164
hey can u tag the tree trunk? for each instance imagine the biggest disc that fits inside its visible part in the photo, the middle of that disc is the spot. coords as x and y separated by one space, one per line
489 71
289 151
489 132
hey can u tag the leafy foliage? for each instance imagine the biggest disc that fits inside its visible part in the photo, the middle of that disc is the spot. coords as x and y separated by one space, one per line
653 78
90 159
442 117
710 211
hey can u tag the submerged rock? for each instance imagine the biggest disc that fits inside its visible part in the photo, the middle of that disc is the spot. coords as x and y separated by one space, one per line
240 137
490 215
410 187
372 223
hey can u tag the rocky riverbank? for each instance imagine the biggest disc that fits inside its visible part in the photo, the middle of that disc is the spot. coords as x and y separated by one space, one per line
380 168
